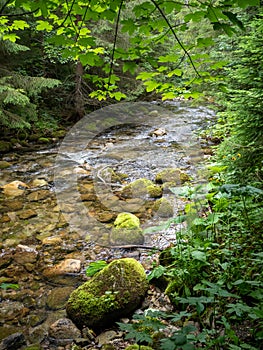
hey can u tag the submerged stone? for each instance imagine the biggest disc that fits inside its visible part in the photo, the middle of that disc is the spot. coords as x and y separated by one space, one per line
163 207
14 188
172 175
4 164
114 292
142 188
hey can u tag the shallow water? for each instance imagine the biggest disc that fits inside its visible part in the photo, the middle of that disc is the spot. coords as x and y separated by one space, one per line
52 220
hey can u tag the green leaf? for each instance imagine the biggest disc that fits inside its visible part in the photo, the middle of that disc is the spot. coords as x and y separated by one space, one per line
117 95
43 25
9 286
143 9
129 66
178 72
246 3
18 25
170 6
195 16
168 58
157 272
151 85
169 95
95 267
146 75
205 42
88 58
11 37
88 41
198 255
233 18
128 26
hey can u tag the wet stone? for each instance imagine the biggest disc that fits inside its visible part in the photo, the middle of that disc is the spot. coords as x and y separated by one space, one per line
58 297
38 195
13 342
14 188
13 205
5 258
25 254
27 214
4 164
12 311
64 330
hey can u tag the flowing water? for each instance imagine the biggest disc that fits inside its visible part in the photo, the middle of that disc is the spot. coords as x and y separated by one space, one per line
55 225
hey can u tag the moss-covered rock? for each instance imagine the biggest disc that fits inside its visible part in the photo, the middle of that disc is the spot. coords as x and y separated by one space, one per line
127 220
142 188
172 175
127 230
163 207
114 292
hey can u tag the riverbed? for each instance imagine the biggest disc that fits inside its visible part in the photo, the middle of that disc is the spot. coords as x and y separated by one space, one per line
58 215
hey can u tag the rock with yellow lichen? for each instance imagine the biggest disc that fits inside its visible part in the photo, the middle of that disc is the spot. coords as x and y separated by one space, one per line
142 188
173 176
127 230
114 292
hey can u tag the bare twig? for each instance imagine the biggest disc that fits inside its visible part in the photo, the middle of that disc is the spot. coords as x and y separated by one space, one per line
175 35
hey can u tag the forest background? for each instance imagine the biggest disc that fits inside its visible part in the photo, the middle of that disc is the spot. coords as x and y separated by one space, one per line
62 59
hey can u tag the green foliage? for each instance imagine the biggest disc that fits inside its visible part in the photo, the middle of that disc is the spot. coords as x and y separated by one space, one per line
124 37
95 267
242 152
214 273
9 286
18 99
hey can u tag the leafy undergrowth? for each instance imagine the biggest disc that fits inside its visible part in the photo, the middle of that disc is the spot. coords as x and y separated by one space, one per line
213 275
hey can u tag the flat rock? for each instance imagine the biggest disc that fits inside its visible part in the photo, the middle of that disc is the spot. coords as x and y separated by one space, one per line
14 188
64 267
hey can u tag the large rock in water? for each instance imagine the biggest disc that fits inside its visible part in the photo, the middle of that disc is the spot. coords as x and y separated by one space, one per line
114 292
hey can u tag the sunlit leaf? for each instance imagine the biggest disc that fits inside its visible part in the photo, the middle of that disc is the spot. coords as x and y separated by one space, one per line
178 72
151 85
43 25
19 25
146 75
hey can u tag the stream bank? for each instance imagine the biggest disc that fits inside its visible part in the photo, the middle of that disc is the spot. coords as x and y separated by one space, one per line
45 243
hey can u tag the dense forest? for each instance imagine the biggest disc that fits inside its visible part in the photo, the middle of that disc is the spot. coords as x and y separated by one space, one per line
61 60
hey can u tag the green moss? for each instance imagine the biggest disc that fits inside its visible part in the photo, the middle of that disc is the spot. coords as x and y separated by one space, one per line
127 220
172 175
101 300
127 230
142 188
127 236
43 140
163 208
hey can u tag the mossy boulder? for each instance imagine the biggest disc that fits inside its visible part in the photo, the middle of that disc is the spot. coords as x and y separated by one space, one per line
173 176
163 207
127 230
114 292
142 188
